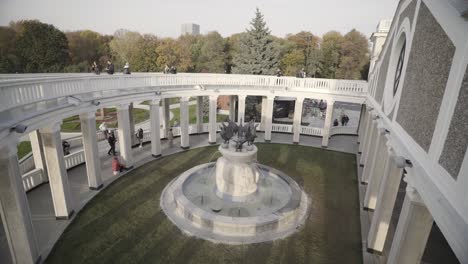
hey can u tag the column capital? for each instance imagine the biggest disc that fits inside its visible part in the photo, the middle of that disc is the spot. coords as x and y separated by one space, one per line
270 97
184 98
88 115
155 101
300 99
214 97
52 128
9 145
241 97
413 195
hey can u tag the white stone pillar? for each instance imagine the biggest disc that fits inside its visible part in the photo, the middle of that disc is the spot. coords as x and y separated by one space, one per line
362 127
269 118
264 113
372 159
132 124
58 177
38 152
184 123
212 119
232 108
297 119
14 208
387 194
90 146
413 229
155 128
328 123
369 133
199 114
125 138
376 171
241 110
166 116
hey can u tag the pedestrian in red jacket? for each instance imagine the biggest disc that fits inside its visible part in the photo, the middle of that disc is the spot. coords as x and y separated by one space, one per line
117 166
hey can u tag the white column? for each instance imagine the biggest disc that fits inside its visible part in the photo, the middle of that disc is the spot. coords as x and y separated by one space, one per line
362 127
132 124
199 114
166 116
269 118
155 130
414 226
241 110
90 146
212 116
232 108
14 208
125 138
184 123
328 123
297 119
373 151
58 177
369 133
376 172
264 113
38 152
387 194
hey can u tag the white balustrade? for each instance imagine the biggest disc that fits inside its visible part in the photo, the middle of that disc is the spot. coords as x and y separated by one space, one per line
282 128
193 129
343 130
19 91
26 164
74 159
311 131
32 179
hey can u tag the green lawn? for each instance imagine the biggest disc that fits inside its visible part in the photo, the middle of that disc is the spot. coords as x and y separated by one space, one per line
193 116
125 224
72 124
24 147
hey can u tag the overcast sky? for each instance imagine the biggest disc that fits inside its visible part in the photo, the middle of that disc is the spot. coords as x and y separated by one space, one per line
164 18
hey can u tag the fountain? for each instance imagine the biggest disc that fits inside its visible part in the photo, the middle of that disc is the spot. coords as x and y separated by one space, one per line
235 200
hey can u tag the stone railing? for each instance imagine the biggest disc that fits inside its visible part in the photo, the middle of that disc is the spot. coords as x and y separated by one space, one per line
343 130
26 163
22 91
311 131
281 128
74 159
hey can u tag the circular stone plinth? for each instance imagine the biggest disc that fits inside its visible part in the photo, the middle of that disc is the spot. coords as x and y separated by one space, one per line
272 212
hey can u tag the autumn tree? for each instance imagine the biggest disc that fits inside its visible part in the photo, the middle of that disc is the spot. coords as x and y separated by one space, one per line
211 53
354 55
331 52
123 47
9 61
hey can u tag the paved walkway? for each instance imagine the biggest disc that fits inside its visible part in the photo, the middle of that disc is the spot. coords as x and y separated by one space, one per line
48 230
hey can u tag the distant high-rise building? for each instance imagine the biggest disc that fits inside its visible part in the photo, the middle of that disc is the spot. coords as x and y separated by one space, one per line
191 29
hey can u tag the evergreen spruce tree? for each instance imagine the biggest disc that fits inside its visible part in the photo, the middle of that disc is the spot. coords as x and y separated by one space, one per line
258 53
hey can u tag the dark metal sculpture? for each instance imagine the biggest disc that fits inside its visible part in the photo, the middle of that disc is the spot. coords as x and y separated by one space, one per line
244 133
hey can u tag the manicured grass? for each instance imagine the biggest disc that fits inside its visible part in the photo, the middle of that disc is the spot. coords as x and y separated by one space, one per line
72 124
193 116
125 224
24 147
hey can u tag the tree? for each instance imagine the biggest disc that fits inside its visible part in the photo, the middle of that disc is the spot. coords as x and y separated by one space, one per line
211 53
354 55
40 47
9 61
258 53
146 57
331 48
123 47
309 45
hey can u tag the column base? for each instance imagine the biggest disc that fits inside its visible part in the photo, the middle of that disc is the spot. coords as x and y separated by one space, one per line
267 140
367 209
324 146
184 148
211 143
96 188
364 183
296 143
360 152
375 252
156 156
65 217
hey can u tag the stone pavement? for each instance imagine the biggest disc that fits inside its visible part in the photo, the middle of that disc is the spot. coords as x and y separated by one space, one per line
48 229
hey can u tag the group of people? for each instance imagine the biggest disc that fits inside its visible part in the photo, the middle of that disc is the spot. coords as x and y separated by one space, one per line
344 119
299 74
170 70
110 69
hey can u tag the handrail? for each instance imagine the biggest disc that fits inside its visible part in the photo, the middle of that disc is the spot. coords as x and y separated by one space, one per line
18 92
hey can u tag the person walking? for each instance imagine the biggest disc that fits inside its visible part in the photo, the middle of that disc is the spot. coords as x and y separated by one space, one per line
170 137
126 68
110 67
65 147
346 120
335 122
103 129
166 69
139 136
111 140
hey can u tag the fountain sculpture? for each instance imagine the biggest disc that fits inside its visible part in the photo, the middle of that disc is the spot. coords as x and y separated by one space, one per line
235 200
